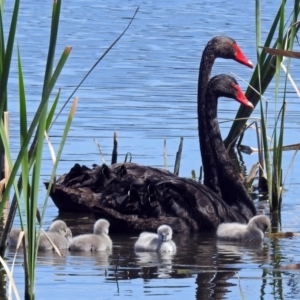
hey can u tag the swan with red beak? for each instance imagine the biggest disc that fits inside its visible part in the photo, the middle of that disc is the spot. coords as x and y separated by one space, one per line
241 98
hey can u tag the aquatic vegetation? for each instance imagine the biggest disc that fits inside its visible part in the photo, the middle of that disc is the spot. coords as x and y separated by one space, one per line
267 69
26 169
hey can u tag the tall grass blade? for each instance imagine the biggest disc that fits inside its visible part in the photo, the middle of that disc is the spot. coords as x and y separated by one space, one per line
23 133
279 52
178 157
51 149
10 277
60 149
280 146
52 44
128 156
39 113
193 174
114 156
9 159
100 151
7 57
269 65
165 154
52 111
5 62
266 63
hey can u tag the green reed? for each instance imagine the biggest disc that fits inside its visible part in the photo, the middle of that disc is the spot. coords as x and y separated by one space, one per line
282 34
29 159
273 159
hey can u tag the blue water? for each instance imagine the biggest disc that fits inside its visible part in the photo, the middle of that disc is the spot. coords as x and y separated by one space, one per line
145 90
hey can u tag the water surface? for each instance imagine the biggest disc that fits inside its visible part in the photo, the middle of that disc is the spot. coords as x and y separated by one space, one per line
145 89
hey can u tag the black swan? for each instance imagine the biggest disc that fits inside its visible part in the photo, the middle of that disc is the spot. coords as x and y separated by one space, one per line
223 47
253 231
136 198
160 242
232 189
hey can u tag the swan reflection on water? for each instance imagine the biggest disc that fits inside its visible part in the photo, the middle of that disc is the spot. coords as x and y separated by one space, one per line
51 258
243 252
98 258
160 261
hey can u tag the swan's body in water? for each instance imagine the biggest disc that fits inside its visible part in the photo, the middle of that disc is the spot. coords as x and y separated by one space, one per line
60 235
139 198
253 231
98 241
160 242
58 232
59 240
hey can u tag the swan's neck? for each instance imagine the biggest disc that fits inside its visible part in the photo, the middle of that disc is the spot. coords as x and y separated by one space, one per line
209 168
207 61
231 185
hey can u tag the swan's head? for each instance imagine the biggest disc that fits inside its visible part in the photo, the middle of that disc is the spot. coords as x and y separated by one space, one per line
261 222
164 233
226 47
226 86
101 226
58 226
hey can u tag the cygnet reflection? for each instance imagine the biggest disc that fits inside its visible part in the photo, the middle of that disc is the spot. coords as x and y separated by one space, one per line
243 252
253 231
98 241
160 242
96 258
156 264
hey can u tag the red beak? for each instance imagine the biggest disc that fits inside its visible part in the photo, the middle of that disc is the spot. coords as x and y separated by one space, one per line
240 97
241 58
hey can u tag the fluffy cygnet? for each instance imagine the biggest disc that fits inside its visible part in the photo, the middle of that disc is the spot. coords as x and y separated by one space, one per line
253 231
58 226
160 242
98 241
60 239
58 232
14 237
